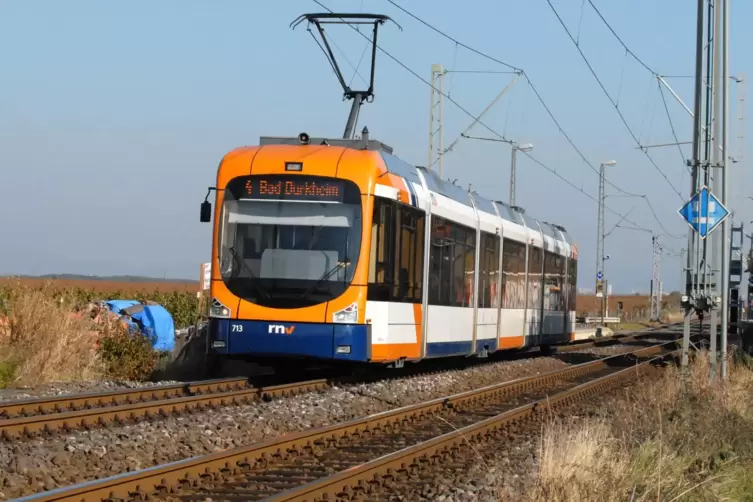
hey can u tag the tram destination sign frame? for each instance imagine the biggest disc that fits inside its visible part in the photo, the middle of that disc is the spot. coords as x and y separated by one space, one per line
290 188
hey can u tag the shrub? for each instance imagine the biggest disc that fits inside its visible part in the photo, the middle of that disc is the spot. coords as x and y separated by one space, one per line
46 336
126 355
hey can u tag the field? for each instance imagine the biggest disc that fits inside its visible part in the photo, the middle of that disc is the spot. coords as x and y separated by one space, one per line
105 286
184 293
58 312
179 298
633 306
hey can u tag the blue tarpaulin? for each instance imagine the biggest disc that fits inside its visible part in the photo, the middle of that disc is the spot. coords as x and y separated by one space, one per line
152 320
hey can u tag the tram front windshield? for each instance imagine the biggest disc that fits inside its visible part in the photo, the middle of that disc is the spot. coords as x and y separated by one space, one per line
288 254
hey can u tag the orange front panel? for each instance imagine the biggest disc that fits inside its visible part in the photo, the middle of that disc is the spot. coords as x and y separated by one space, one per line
360 167
219 290
317 160
315 313
234 164
354 294
394 181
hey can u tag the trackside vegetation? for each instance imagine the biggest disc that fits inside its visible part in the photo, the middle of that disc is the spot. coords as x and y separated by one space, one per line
48 334
676 438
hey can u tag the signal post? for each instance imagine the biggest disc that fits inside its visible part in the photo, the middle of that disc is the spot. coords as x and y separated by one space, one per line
707 271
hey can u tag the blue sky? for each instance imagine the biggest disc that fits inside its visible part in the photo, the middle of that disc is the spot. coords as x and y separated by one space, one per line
114 116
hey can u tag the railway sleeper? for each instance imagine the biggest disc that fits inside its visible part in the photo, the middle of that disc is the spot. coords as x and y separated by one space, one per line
390 427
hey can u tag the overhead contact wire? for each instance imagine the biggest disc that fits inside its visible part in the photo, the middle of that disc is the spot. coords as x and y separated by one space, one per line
490 129
538 96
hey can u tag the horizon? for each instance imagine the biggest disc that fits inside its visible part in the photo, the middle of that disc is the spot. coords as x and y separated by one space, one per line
142 278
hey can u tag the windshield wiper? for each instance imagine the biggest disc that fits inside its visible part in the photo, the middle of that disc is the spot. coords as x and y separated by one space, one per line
244 265
327 275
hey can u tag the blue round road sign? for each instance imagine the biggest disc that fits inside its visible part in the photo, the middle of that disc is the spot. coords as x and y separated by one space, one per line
599 275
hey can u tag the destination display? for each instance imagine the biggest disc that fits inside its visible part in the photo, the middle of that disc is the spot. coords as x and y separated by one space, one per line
293 188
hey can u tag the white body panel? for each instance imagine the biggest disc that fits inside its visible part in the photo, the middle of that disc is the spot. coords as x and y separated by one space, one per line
451 330
455 211
450 324
511 325
391 322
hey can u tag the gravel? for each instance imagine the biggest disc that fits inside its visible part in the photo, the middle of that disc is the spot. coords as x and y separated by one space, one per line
507 469
610 350
65 388
45 463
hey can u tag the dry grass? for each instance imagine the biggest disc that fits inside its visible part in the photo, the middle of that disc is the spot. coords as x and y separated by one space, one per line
45 339
102 286
178 298
678 438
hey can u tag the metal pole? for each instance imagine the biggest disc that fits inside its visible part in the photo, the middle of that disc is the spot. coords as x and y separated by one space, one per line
441 125
430 162
512 174
600 241
716 173
435 126
653 276
725 185
477 118
355 108
691 286
683 260
655 279
750 275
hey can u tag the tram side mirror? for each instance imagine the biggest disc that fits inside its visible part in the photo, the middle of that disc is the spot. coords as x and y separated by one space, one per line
206 212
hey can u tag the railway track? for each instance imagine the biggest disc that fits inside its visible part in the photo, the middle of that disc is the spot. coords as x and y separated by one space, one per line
367 457
30 417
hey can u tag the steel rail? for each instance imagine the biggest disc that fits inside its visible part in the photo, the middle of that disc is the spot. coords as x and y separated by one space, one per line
167 478
365 478
66 412
71 402
605 341
14 427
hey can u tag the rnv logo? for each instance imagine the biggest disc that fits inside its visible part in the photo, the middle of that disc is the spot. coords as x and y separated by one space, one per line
279 329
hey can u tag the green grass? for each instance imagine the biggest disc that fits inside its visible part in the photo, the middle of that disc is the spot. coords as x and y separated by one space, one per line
8 372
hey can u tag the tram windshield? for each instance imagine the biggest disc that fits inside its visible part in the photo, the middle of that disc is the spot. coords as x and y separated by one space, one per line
292 252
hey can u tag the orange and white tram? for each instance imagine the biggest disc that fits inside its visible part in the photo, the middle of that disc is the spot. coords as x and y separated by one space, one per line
338 250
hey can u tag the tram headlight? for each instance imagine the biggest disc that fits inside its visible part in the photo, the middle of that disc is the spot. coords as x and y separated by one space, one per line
217 309
348 315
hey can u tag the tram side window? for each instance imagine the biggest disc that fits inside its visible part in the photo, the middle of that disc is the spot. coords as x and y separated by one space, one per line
397 252
513 274
554 277
573 282
409 254
489 271
535 279
452 261
560 263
